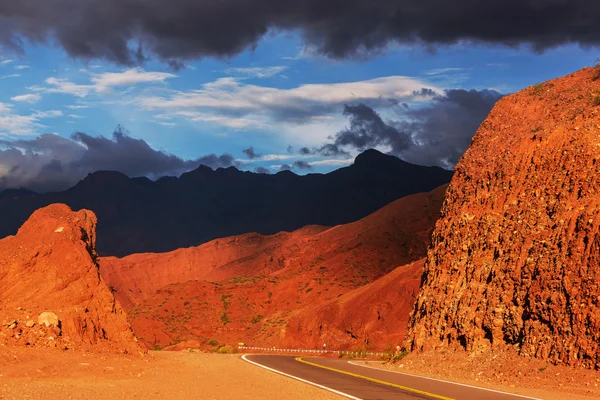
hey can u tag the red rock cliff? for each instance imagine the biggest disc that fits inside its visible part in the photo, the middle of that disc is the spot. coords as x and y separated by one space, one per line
51 291
515 258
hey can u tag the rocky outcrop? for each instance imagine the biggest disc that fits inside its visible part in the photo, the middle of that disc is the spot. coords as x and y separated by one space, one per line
515 258
51 291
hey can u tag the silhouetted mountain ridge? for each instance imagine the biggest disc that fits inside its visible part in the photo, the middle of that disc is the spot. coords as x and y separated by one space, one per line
139 215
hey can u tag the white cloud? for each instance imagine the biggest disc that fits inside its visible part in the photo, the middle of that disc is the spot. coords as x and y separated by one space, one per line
6 62
439 71
77 107
27 98
21 67
75 116
101 82
5 108
128 78
10 76
228 95
48 114
303 116
256 72
497 65
304 52
62 85
14 124
167 124
333 162
227 121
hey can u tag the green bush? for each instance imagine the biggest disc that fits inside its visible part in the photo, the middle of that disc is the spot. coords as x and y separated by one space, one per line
226 349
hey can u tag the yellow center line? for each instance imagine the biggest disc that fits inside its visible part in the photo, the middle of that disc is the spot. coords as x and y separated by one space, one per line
406 389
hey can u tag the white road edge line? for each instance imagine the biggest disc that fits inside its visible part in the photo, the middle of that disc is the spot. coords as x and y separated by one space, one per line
441 380
301 380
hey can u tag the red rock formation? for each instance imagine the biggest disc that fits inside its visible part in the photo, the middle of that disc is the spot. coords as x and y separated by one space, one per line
515 257
51 292
247 288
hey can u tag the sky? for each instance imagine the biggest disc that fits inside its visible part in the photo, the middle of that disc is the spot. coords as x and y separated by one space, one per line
153 90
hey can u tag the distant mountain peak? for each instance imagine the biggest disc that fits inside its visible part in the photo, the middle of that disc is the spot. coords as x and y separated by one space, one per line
371 157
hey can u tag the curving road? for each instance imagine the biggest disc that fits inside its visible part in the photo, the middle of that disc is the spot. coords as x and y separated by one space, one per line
360 382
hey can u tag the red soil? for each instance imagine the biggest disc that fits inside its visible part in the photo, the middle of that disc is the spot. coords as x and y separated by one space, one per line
515 258
248 288
51 266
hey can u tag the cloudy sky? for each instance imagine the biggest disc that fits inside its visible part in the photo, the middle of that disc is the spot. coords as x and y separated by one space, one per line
154 89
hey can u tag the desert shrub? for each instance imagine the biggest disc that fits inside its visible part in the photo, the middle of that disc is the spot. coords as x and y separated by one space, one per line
225 318
257 318
226 349
537 90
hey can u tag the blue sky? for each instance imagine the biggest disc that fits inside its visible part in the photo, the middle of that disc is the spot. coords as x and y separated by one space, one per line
280 94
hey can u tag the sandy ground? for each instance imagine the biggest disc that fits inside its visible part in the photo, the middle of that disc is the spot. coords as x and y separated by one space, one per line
52 374
503 371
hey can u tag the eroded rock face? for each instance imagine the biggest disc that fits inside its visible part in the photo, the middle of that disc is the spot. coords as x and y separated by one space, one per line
49 274
515 258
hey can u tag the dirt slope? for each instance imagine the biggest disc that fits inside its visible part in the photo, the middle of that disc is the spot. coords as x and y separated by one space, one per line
247 288
515 258
51 291
374 315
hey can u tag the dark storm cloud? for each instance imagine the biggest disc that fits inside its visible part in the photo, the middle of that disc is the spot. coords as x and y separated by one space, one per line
285 167
302 165
367 129
441 132
304 151
261 170
250 153
50 162
214 161
126 31
435 134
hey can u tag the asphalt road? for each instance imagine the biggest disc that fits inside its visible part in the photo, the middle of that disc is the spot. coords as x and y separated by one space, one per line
349 383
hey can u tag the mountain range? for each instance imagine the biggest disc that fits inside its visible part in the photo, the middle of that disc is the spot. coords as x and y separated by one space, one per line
139 215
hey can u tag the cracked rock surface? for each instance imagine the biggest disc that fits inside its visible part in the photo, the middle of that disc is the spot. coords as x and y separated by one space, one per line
515 258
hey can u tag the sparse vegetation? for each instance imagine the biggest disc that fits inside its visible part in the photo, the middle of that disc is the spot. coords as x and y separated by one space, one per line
226 349
538 89
225 298
257 318
213 342
225 318
394 357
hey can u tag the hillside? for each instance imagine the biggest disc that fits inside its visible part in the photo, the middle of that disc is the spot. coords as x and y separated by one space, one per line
248 288
514 261
51 291
138 215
